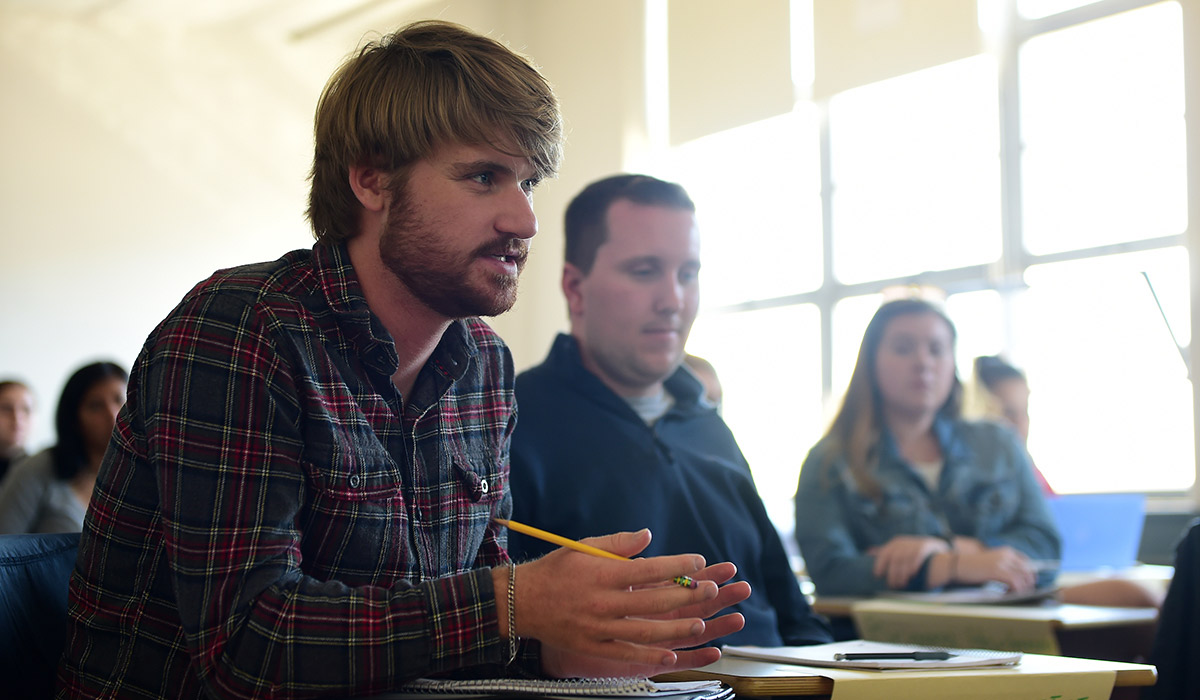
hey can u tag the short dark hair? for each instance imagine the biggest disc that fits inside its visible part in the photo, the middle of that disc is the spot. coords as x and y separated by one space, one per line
70 452
400 97
586 220
993 369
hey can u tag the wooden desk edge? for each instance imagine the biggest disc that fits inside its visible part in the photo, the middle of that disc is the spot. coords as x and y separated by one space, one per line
814 684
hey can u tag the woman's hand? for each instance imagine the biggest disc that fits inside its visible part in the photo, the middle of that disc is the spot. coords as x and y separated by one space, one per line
902 556
1003 564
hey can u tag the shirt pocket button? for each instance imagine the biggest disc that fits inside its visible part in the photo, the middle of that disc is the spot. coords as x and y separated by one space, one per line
354 480
483 486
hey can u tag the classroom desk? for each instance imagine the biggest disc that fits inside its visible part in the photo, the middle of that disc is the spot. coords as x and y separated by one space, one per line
1116 634
1036 677
1152 576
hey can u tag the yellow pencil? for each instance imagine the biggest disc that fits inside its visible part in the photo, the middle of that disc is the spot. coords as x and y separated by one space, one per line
685 581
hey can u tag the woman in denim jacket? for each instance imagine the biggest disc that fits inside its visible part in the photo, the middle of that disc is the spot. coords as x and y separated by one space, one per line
903 494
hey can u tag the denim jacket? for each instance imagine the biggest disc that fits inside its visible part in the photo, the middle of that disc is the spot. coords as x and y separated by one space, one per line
986 490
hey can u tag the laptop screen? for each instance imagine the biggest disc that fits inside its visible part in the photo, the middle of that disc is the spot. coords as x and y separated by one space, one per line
1099 530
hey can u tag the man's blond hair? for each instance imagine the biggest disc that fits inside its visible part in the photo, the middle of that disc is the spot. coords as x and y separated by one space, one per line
426 84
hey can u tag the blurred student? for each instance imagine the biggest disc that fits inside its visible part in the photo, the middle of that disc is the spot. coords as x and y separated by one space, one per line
16 420
901 492
707 374
616 434
50 491
999 391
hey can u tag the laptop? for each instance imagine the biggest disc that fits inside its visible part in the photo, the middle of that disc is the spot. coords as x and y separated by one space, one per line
1099 530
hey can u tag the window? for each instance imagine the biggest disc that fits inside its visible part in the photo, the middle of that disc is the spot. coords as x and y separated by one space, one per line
1103 129
770 171
918 189
1110 403
1049 209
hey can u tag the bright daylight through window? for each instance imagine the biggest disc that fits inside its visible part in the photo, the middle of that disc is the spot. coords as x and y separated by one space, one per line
1075 270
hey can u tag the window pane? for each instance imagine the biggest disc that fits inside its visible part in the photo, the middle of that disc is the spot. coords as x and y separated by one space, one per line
850 318
916 182
775 414
979 320
1110 404
757 193
1105 149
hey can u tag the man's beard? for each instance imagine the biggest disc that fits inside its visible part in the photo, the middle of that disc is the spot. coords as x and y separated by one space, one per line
441 278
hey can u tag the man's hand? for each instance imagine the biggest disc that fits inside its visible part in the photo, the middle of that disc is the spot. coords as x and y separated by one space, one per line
600 617
901 557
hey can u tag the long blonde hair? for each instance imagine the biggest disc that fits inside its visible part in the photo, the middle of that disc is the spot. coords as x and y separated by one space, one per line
854 436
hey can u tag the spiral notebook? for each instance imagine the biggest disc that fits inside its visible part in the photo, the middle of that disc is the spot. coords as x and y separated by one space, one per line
569 688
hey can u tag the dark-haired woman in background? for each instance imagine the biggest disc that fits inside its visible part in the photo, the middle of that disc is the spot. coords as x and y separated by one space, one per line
50 491
1000 392
901 493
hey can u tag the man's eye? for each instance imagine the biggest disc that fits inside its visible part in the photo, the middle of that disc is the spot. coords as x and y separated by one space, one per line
530 184
483 178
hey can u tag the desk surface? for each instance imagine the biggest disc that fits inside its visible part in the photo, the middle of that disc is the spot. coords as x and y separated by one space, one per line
1122 634
1058 615
1063 615
1155 576
759 678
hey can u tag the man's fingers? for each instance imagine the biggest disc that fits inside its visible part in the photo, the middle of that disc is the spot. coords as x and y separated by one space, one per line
717 573
657 632
729 594
646 572
663 600
718 627
693 658
624 544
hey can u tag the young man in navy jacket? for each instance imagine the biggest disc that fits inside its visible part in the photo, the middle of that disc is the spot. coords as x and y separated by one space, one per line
614 433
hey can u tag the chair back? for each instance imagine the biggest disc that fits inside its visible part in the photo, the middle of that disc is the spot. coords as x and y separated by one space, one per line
1176 650
34 571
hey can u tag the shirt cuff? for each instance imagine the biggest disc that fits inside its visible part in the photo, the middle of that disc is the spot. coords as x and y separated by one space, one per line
463 628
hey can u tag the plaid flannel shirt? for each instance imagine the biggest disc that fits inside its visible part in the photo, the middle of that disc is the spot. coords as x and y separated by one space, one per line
273 520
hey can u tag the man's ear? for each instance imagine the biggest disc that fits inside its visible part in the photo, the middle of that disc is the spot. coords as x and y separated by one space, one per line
572 283
370 186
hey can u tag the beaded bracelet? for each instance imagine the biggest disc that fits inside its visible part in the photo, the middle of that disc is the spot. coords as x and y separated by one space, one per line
512 613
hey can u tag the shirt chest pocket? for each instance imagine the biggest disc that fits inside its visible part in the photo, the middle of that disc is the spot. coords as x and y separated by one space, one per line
353 472
478 473
472 496
355 522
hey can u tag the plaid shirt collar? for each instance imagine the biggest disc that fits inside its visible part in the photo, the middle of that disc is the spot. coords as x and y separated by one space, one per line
338 281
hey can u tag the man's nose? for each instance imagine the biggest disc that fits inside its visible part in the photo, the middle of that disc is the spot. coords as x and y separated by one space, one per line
670 296
516 217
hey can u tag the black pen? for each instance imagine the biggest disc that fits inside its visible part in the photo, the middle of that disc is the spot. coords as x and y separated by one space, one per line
886 655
